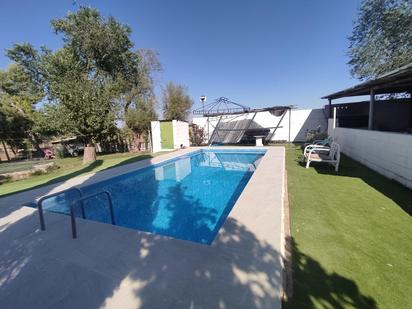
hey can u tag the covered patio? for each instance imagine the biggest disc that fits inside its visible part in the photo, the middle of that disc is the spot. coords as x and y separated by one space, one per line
378 132
394 87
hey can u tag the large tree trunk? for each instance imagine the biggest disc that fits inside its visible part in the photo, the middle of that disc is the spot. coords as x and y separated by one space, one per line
89 154
5 150
136 141
13 151
36 145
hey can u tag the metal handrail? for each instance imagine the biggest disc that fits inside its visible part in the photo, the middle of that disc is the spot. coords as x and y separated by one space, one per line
82 199
46 197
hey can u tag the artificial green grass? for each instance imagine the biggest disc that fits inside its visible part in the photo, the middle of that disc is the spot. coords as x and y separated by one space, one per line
351 236
72 167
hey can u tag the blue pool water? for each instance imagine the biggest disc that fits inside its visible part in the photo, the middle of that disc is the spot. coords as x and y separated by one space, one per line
188 197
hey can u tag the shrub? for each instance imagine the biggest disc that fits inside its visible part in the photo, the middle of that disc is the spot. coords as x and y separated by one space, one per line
4 179
196 135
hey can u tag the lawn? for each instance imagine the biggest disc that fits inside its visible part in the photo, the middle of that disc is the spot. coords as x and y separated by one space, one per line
72 167
18 166
351 235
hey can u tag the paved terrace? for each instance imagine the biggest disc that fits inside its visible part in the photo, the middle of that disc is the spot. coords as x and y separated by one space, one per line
114 267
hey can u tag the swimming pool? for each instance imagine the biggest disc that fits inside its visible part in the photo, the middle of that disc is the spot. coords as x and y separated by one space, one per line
188 197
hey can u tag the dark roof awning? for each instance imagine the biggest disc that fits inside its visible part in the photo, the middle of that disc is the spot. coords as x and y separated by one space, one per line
397 81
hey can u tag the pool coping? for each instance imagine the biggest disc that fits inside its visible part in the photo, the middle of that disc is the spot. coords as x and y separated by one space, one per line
262 224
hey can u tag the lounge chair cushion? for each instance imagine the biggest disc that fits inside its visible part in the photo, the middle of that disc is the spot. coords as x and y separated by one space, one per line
319 156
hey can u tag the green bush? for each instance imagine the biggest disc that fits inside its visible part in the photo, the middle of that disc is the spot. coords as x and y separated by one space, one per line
4 179
59 151
196 135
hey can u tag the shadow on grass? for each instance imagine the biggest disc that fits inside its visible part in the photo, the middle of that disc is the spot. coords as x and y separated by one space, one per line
86 169
314 287
348 167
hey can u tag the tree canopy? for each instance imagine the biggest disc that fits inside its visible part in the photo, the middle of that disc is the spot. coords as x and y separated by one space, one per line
381 40
90 79
18 96
139 116
176 102
139 100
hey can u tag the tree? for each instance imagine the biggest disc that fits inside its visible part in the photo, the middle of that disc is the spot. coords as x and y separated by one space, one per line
176 102
13 126
381 40
138 83
139 100
138 118
18 95
196 135
87 78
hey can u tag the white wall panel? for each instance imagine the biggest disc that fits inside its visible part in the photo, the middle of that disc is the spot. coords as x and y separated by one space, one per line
389 154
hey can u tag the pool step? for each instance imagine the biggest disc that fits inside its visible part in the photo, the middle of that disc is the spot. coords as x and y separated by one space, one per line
79 201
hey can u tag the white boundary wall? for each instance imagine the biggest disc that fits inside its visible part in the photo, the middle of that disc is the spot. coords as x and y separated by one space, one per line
155 132
180 134
389 154
302 120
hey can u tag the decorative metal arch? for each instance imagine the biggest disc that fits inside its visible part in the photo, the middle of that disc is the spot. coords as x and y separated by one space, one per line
221 106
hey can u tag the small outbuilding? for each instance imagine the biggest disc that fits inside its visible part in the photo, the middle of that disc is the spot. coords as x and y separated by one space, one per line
169 134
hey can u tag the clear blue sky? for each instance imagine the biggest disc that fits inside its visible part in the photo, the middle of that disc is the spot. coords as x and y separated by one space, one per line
255 52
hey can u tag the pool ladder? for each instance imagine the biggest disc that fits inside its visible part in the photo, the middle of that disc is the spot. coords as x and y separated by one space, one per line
73 206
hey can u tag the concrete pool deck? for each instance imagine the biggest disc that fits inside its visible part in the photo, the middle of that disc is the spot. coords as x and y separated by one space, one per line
114 267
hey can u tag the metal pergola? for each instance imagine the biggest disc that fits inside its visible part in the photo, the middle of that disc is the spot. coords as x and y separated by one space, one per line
230 127
221 106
